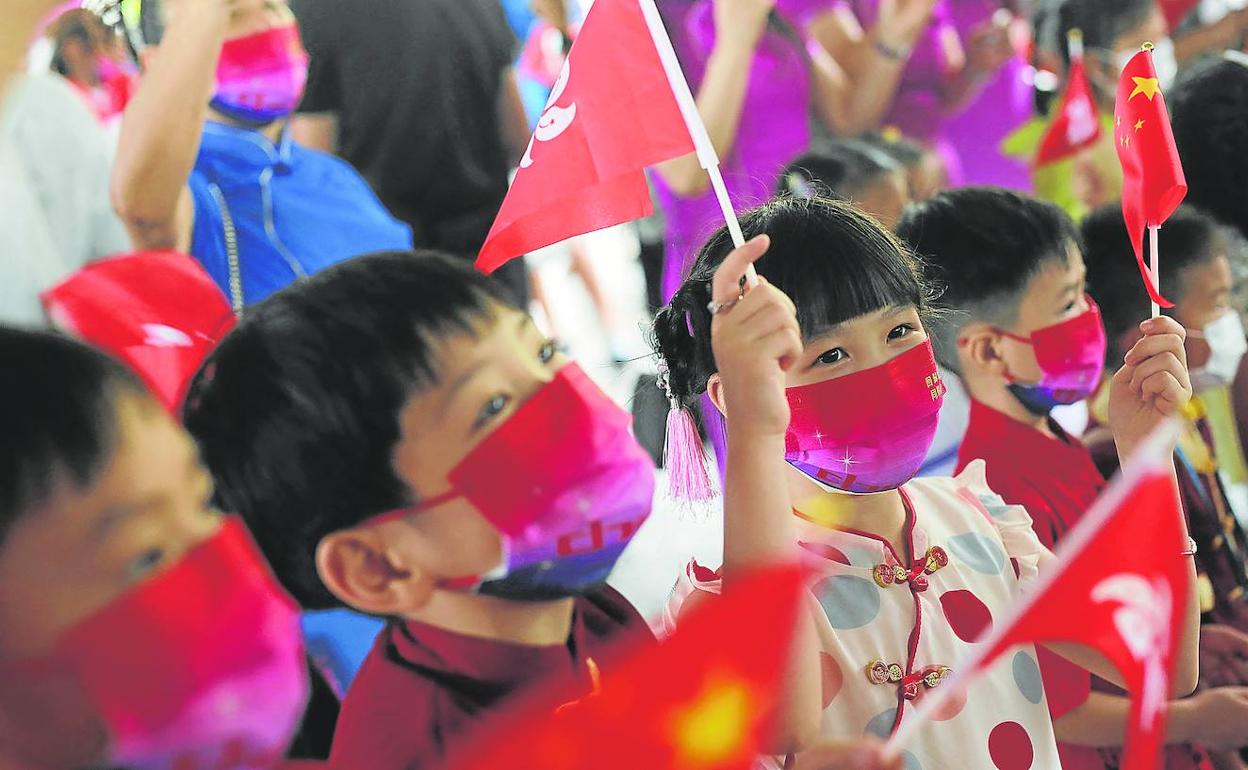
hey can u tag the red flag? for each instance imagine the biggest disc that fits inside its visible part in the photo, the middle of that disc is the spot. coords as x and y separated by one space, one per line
1118 585
1076 124
1153 183
699 701
158 311
611 114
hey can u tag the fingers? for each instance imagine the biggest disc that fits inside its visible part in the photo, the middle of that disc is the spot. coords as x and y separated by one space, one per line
1155 344
726 284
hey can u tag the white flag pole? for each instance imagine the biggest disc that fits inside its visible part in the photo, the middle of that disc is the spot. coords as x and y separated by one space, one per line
705 150
1153 262
1153 456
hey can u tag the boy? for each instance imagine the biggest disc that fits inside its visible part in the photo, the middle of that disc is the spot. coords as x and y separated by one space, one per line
1197 278
117 577
369 423
1018 329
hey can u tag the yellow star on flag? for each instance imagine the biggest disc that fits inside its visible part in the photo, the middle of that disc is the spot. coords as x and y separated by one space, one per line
1147 86
1139 124
712 730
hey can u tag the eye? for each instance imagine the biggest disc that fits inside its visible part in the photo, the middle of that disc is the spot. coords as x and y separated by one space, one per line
492 409
145 563
547 351
900 332
833 356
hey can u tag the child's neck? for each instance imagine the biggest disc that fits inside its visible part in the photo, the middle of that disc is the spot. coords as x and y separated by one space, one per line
536 624
1002 400
882 515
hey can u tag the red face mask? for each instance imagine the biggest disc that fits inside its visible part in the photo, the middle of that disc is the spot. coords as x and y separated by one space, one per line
565 483
1071 355
200 667
867 431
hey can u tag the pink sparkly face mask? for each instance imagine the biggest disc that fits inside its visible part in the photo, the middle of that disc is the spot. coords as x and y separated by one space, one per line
1072 356
564 482
199 666
260 77
867 431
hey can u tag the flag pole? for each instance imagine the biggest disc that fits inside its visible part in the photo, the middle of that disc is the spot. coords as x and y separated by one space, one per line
1151 457
702 144
1153 261
1074 44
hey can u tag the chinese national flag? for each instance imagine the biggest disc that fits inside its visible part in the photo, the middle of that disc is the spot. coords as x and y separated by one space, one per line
1153 182
158 311
1076 124
701 700
611 114
1120 585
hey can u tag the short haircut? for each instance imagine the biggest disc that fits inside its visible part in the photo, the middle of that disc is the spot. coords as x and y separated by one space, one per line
840 169
1101 21
1209 109
1191 238
59 417
833 261
903 151
297 412
983 245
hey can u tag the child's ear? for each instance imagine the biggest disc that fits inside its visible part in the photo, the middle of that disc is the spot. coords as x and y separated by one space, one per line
979 350
357 567
715 389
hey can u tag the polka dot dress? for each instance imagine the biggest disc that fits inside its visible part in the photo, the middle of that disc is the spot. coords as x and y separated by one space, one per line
891 632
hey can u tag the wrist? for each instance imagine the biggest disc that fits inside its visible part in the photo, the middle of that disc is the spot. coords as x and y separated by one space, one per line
1182 722
735 50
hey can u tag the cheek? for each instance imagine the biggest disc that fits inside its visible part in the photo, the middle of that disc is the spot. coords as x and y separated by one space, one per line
457 540
51 723
1021 361
1198 352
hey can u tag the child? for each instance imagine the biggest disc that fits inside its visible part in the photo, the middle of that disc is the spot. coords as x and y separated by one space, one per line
909 572
135 620
395 432
853 171
1016 325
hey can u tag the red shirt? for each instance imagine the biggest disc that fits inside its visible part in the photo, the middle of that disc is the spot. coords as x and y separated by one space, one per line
422 686
1055 480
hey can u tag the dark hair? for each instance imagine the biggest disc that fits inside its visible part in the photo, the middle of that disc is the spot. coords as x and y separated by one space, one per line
1101 21
75 24
983 245
840 169
833 261
296 413
59 424
1191 238
903 151
1209 109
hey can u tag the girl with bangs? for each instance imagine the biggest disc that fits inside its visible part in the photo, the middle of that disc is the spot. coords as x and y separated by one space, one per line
829 392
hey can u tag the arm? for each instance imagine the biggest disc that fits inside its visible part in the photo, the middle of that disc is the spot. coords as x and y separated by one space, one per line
163 124
754 342
739 24
1228 32
1216 719
988 47
857 73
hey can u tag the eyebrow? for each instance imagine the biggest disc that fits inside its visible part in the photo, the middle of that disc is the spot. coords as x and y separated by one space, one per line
472 371
888 311
114 515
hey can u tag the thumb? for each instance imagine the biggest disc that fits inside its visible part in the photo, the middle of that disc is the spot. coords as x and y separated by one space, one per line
727 280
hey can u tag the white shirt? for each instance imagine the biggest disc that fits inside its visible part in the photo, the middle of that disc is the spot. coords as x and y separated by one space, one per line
54 208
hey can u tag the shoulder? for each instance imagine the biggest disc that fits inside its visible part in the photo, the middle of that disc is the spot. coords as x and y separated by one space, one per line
373 731
52 126
967 498
312 161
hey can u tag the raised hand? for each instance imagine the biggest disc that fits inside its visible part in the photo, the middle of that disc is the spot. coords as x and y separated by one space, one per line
1152 386
740 23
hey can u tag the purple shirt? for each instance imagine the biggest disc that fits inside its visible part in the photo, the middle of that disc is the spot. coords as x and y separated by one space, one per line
774 126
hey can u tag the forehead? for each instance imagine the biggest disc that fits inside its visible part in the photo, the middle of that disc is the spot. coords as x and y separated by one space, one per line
1212 275
1057 274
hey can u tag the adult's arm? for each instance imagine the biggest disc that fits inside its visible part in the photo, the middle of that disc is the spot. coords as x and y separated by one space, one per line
163 125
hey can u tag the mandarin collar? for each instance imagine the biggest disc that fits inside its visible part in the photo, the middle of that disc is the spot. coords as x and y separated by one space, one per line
248 146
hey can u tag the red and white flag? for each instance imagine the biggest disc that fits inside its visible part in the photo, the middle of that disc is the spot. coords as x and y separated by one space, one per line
1076 124
612 113
1118 585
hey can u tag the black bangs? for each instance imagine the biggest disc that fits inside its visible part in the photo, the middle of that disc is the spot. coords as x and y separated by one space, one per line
833 261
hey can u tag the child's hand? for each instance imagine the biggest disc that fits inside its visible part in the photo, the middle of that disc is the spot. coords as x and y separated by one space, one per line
1223 656
1216 719
1151 386
755 340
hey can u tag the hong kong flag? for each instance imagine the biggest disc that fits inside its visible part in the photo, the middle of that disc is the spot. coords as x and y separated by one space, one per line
1153 183
701 700
1119 585
1076 124
611 114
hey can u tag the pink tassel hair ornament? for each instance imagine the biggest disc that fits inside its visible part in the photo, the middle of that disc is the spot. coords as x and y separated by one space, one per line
690 482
